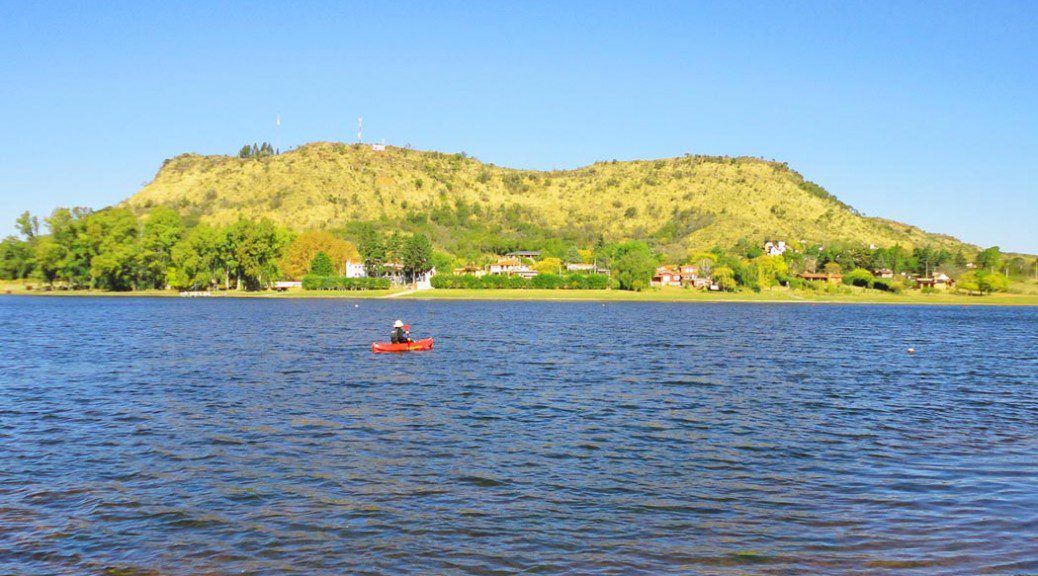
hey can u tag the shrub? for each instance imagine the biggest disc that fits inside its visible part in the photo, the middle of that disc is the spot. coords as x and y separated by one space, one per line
316 282
859 277
321 265
542 281
547 281
883 284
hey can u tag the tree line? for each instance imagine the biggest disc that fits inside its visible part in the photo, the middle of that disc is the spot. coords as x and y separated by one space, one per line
116 249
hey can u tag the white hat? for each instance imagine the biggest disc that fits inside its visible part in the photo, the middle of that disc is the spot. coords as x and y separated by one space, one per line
398 324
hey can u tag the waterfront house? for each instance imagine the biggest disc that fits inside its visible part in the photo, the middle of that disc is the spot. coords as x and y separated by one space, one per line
582 268
666 276
355 270
822 277
470 269
700 283
688 272
285 285
511 266
938 280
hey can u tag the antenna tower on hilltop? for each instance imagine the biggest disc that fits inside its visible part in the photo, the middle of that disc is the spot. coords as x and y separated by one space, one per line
360 129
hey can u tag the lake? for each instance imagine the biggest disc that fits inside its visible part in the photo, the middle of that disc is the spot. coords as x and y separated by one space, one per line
245 436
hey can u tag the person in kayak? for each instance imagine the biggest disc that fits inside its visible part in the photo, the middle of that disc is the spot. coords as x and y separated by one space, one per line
401 334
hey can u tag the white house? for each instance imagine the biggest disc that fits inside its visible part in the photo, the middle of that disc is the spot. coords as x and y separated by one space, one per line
775 248
355 270
510 267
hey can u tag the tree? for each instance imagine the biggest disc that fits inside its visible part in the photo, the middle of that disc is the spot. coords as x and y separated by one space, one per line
548 266
16 259
832 268
253 249
322 265
990 259
48 255
303 248
634 267
109 240
372 251
703 260
162 230
416 256
860 277
770 270
989 282
724 278
28 225
968 283
198 259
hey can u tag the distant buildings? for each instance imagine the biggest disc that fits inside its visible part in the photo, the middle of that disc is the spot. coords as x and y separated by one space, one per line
355 270
938 281
393 270
775 248
829 277
684 275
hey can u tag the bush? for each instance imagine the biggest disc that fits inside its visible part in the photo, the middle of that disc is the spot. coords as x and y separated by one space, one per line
859 277
542 281
315 282
883 284
547 281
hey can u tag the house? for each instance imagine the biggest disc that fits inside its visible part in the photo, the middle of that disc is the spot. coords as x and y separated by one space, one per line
355 270
775 248
395 272
511 267
701 283
823 277
471 269
424 281
883 273
688 271
939 281
285 285
666 276
586 268
683 275
532 255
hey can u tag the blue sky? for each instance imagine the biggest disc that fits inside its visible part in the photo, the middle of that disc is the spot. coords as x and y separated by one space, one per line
920 112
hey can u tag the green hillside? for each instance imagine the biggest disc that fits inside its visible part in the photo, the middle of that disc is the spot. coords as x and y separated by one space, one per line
676 203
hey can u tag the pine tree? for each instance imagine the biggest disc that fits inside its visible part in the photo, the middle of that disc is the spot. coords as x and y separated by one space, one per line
322 265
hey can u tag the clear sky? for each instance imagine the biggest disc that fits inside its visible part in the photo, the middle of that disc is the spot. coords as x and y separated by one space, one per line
920 112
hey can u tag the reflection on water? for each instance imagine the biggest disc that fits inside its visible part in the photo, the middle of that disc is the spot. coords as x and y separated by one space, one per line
263 437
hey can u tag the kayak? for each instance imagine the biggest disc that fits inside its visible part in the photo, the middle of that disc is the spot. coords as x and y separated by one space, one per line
424 344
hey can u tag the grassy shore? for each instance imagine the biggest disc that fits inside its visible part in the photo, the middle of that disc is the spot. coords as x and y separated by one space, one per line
775 295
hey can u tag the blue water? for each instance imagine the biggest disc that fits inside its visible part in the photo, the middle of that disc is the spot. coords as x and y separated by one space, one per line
223 436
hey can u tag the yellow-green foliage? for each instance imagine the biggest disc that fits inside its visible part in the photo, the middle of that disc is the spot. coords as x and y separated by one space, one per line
691 201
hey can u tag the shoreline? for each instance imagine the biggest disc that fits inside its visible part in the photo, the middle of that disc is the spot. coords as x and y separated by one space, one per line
675 295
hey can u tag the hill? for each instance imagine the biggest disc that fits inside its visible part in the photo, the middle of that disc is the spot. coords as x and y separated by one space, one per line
677 203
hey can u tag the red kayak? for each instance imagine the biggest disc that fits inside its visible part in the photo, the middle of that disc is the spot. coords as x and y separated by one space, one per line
424 344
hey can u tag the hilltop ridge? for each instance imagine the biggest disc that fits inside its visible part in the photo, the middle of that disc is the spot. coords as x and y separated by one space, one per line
678 202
